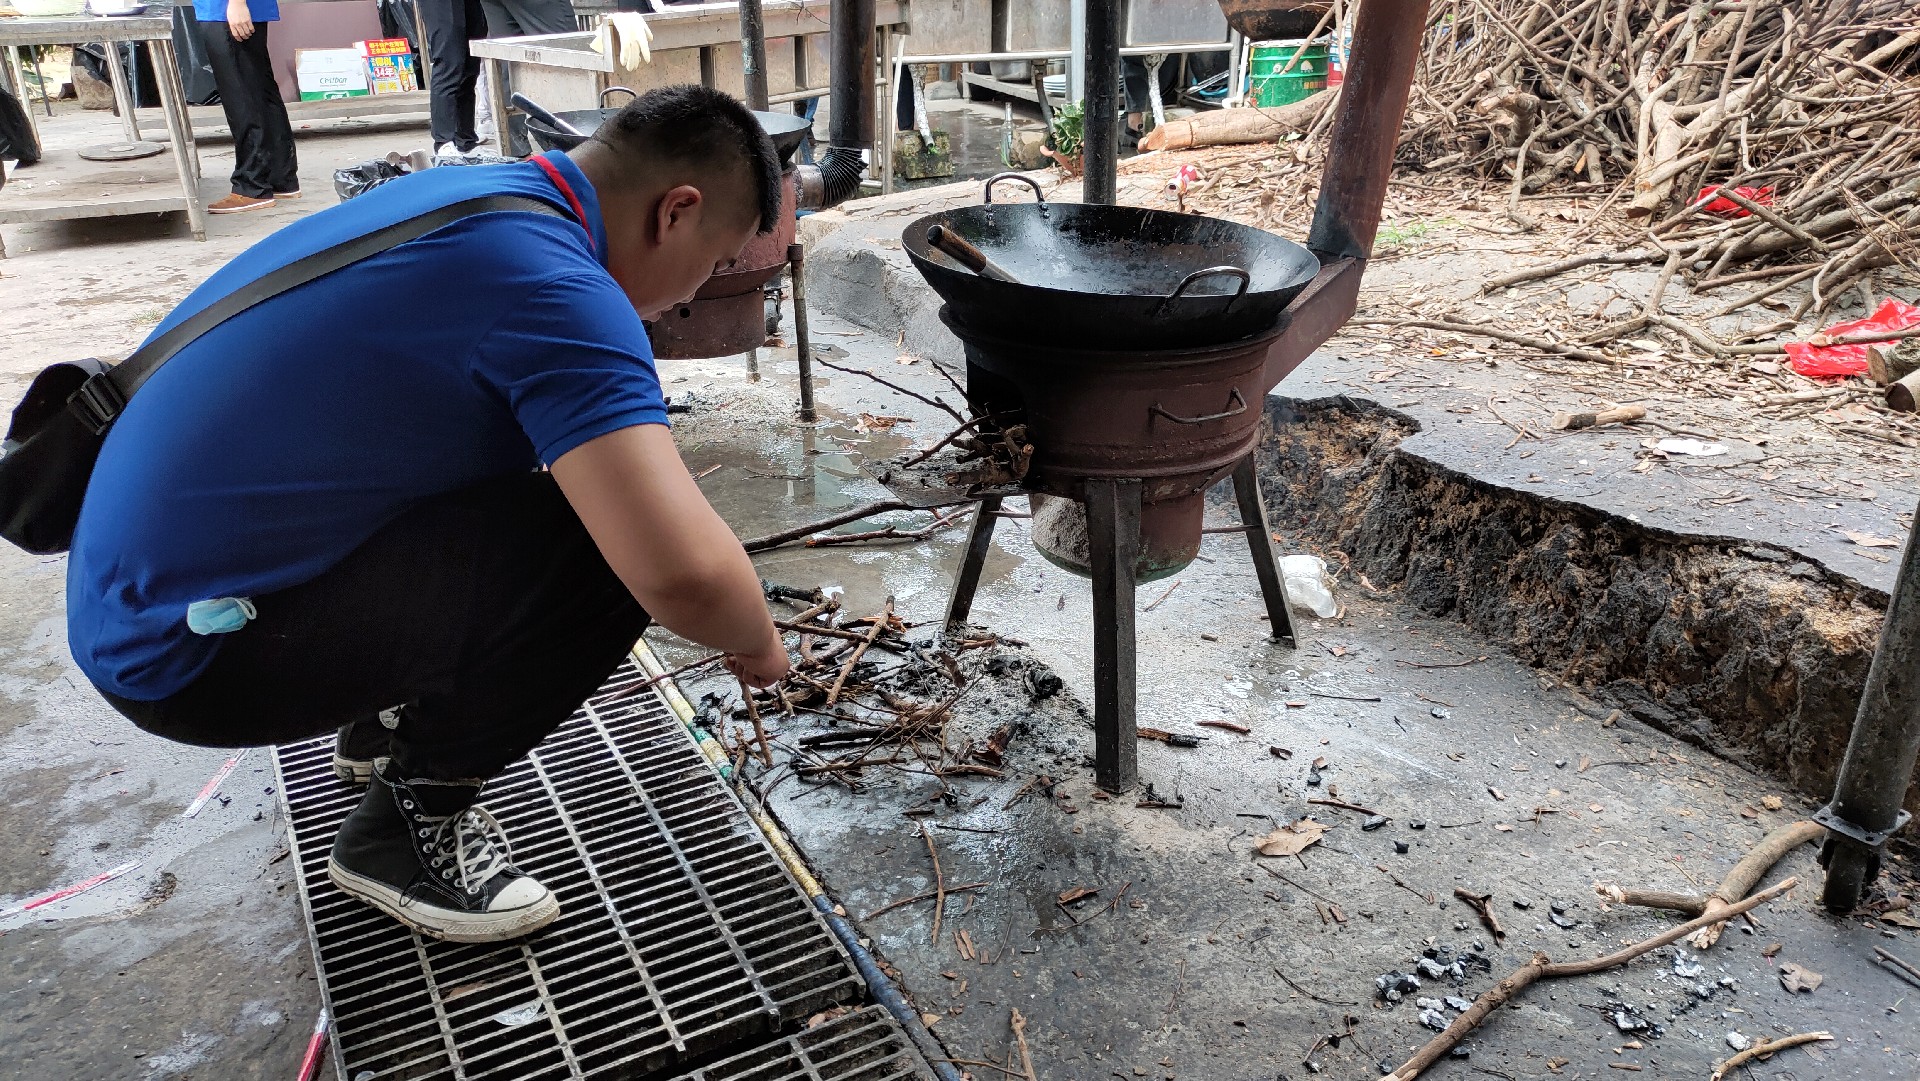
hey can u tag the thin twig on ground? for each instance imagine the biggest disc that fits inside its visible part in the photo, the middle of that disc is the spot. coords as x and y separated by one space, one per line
1764 1047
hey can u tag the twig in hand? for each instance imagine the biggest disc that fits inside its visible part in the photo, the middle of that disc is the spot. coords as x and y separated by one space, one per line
1744 876
1763 1047
664 676
1329 1001
860 650
759 730
935 402
939 883
1542 968
1019 1023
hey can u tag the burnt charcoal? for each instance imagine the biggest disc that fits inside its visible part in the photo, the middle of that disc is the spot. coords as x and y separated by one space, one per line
1402 847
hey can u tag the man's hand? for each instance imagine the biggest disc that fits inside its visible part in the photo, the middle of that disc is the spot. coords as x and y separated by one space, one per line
762 669
239 20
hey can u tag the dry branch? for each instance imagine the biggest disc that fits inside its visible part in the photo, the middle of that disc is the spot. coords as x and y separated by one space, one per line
1744 876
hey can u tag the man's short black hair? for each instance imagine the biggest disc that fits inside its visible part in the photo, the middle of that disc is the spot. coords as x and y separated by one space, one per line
701 127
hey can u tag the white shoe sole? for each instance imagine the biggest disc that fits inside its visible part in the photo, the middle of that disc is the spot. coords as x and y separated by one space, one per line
354 771
444 923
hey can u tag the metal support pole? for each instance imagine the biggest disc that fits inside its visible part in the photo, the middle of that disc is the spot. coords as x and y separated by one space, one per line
122 93
1113 532
1266 565
889 111
803 345
1878 767
753 53
1366 125
1077 49
1101 127
967 581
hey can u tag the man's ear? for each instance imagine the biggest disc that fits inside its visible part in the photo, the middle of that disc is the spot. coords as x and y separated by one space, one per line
678 206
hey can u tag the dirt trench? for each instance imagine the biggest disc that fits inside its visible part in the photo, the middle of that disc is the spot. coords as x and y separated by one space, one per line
1747 650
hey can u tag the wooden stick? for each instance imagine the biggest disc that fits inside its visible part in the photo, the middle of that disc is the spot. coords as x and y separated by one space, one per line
788 536
1020 1037
1542 968
890 533
1764 1047
859 651
939 883
1342 804
1483 331
664 676
1897 963
1741 879
918 897
1620 414
935 402
759 730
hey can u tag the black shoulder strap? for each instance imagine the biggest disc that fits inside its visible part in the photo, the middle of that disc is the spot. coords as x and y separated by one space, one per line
100 400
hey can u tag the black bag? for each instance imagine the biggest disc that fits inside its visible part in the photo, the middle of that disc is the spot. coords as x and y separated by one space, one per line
60 426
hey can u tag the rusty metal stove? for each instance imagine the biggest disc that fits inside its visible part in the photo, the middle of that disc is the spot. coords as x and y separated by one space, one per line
1137 436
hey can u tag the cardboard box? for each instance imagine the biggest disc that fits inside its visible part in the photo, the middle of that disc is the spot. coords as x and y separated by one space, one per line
330 73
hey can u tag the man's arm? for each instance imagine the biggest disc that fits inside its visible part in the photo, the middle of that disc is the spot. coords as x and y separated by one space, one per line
239 20
661 537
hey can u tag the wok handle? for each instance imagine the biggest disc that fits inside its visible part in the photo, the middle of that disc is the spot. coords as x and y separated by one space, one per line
1236 405
534 109
1245 281
986 193
629 91
962 251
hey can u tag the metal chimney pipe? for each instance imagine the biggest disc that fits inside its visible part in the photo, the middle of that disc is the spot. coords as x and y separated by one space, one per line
850 74
753 53
1101 125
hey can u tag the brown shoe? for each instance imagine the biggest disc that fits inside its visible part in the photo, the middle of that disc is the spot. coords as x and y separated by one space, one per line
238 204
294 194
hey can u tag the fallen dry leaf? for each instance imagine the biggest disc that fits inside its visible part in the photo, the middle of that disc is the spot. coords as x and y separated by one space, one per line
1496 793
1901 919
1798 978
1503 827
1771 949
1868 540
1319 764
1596 808
1291 839
1076 894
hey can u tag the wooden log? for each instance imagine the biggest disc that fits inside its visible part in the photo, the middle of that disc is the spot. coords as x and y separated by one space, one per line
1230 127
1890 362
1903 394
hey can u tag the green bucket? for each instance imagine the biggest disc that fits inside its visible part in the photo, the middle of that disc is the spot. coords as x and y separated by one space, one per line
1269 58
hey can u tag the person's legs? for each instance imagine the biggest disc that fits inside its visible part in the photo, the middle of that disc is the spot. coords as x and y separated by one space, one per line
278 165
241 104
491 615
453 69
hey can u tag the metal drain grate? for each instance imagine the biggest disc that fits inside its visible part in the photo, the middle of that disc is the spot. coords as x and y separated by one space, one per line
680 932
866 1045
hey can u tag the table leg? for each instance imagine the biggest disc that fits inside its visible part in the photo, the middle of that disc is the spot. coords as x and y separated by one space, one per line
171 60
173 98
497 102
122 94
967 582
17 77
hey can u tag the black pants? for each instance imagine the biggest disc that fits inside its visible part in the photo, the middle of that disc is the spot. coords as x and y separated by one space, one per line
524 18
263 159
489 612
452 70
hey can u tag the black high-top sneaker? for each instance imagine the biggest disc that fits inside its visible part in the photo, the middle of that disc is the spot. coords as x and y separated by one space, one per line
421 852
358 744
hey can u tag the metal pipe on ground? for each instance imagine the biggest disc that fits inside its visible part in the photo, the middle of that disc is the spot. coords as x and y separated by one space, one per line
753 53
1100 127
1866 807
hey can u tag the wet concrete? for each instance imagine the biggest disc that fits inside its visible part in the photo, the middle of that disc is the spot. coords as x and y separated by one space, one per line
1179 977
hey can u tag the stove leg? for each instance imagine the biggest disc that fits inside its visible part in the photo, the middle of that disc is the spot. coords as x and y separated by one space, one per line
1266 564
979 539
1113 528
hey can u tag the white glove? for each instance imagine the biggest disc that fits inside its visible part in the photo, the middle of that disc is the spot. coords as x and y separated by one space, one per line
626 34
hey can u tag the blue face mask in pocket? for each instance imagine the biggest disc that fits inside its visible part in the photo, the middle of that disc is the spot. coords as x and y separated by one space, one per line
222 615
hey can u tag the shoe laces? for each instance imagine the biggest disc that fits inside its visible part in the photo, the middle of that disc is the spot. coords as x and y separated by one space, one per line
477 845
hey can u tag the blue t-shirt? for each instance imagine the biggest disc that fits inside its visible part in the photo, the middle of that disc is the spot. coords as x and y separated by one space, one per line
215 11
276 443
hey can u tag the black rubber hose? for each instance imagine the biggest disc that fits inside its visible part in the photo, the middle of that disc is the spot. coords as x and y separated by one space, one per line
840 171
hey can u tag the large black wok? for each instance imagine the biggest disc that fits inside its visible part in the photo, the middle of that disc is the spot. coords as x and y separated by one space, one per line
1113 277
787 130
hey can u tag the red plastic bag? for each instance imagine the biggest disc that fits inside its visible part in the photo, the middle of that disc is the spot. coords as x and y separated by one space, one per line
1727 208
1822 361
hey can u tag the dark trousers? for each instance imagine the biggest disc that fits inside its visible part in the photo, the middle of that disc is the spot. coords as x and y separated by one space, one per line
488 612
452 70
525 18
263 159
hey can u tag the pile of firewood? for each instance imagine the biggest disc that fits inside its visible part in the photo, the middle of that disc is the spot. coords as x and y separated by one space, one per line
1802 117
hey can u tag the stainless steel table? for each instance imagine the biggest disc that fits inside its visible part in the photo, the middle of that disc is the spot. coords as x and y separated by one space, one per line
105 194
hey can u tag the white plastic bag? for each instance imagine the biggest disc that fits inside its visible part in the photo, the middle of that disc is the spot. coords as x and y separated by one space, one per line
1308 586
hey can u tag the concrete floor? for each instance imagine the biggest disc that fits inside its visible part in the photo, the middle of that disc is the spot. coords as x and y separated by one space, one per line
195 964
